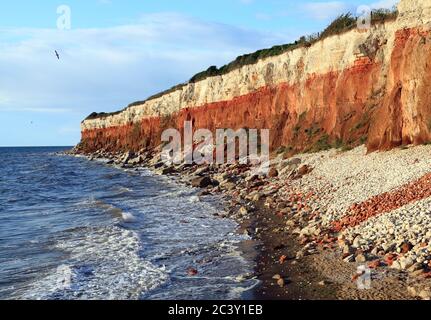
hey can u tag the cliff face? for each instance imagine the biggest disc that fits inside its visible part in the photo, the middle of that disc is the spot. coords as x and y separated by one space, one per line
359 87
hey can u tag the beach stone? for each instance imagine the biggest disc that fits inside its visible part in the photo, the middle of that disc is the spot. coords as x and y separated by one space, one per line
281 283
192 271
412 291
415 267
425 294
295 161
406 247
127 156
302 171
299 255
273 173
406 263
202 182
243 211
348 250
361 258
357 242
201 171
323 283
168 170
350 258
159 165
257 197
396 265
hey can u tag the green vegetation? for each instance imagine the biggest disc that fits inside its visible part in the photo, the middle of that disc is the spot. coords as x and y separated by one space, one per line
284 149
320 145
341 24
313 131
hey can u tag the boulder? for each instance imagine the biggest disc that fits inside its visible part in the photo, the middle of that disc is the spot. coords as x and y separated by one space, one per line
202 182
158 165
168 170
273 173
303 170
127 157
425 294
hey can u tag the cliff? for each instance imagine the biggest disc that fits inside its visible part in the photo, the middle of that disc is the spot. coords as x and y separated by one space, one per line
362 86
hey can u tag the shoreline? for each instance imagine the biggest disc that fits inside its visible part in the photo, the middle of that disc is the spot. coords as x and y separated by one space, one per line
293 260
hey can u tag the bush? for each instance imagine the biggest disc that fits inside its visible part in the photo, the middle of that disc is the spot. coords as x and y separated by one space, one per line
341 24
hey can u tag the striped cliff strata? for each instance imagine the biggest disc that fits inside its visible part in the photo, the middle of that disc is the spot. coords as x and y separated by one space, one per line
362 86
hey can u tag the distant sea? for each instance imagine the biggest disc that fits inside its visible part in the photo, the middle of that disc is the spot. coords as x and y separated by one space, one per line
75 229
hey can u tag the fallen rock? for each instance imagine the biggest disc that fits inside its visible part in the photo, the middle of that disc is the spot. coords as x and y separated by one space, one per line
350 258
348 250
425 294
302 171
127 156
412 291
168 170
276 277
361 258
158 165
202 182
243 211
405 263
406 247
281 283
192 271
323 283
273 173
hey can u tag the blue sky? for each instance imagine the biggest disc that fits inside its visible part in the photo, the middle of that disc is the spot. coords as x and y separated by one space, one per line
117 52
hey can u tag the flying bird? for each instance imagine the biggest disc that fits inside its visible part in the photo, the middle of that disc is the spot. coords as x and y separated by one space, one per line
58 56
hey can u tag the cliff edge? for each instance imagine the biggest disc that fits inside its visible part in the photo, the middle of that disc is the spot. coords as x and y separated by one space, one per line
361 86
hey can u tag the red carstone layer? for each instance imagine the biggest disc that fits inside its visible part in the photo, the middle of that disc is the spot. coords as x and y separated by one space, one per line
336 103
385 202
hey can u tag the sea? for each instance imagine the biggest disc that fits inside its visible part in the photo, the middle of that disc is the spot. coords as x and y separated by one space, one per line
74 229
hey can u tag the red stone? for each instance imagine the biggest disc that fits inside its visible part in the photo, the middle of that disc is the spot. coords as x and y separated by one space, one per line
192 271
282 259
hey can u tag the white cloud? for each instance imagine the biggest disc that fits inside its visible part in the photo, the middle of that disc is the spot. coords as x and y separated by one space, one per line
324 10
105 69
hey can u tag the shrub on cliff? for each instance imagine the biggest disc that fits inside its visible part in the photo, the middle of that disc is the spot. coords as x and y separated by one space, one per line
341 24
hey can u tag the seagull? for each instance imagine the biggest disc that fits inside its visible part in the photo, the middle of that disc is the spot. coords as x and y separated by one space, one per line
58 56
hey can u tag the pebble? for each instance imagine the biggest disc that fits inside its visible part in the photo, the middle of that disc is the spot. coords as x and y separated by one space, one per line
281 282
350 258
276 277
425 294
360 258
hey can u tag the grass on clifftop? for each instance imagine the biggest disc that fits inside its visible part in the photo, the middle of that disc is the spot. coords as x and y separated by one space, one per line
341 24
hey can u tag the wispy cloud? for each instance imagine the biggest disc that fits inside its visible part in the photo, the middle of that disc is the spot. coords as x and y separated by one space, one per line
104 69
